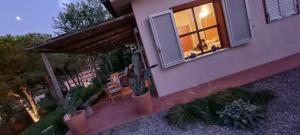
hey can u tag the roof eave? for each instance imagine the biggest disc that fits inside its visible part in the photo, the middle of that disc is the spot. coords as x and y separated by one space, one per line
118 7
109 7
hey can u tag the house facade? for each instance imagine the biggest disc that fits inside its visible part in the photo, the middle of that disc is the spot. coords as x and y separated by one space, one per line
236 35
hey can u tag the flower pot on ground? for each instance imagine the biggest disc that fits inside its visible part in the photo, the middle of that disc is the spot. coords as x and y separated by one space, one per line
77 123
76 120
144 103
140 84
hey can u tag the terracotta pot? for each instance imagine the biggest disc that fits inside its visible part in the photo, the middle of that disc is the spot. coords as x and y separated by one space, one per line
144 103
77 124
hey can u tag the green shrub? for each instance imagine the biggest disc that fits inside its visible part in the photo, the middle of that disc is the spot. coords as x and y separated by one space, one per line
182 114
52 123
58 128
52 119
46 105
91 90
206 109
240 114
75 93
262 98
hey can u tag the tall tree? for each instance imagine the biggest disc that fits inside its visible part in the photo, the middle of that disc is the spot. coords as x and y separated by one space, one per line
20 70
76 16
69 66
80 15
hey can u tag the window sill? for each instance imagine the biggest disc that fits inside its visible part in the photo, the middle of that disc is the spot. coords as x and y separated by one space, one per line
205 55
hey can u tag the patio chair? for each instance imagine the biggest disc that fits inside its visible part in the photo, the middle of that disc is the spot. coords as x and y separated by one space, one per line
114 87
123 76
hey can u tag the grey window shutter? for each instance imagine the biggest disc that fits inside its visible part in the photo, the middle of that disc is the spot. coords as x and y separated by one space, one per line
166 38
288 7
238 22
273 9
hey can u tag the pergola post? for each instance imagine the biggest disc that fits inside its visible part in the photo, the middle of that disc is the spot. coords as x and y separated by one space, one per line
57 90
92 62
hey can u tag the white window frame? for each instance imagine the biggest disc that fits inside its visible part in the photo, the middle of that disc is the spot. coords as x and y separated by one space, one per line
228 25
166 65
281 17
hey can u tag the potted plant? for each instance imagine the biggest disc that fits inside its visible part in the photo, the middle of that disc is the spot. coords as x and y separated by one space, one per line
75 119
140 84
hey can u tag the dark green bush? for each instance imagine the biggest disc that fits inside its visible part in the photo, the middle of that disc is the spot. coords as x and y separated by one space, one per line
91 90
52 119
46 105
75 93
262 98
52 123
58 128
206 109
180 115
240 114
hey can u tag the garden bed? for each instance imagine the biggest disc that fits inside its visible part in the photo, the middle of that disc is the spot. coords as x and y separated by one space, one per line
281 115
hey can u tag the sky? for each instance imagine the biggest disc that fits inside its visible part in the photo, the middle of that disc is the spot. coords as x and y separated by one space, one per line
19 17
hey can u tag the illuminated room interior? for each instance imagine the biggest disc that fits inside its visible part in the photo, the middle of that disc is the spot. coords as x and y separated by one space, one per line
195 26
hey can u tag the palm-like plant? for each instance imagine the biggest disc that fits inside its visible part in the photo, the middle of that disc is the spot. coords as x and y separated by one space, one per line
73 101
137 83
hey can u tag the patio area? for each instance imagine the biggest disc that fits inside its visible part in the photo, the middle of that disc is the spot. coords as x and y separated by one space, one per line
107 116
114 109
282 116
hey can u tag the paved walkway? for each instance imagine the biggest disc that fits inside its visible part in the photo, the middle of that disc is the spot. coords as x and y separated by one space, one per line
283 114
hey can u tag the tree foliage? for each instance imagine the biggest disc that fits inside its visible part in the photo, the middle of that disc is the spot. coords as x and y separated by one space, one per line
18 66
76 16
19 69
69 66
80 15
67 61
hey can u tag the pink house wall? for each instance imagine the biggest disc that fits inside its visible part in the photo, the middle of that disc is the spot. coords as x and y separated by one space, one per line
271 42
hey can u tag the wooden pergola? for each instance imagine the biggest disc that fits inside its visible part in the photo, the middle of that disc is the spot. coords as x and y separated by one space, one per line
100 38
95 39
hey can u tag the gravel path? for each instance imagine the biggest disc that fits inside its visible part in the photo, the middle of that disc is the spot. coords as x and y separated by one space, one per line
283 114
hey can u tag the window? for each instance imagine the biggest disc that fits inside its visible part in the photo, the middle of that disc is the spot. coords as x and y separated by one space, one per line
280 9
198 30
166 39
238 22
199 27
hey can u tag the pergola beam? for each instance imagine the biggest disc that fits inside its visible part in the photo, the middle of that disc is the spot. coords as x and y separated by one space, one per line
107 48
68 39
113 39
95 39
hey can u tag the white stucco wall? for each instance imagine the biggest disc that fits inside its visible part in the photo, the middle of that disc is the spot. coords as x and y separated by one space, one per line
271 42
